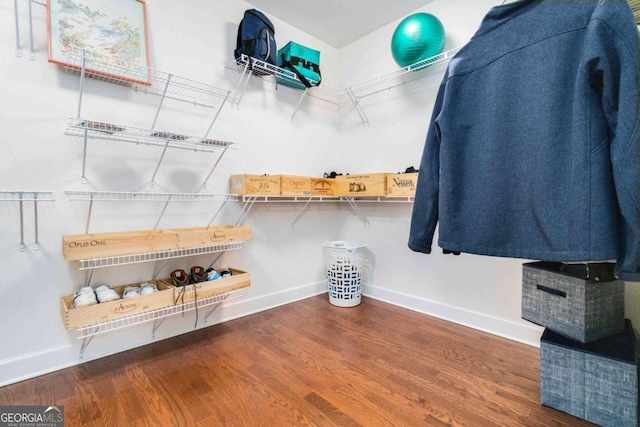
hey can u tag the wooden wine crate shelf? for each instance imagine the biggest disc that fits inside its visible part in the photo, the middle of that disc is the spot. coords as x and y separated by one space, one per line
168 296
368 184
293 185
100 245
255 184
76 317
401 184
239 279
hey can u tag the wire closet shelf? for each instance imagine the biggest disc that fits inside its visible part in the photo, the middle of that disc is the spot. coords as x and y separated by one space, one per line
109 131
89 331
143 79
420 69
111 261
148 197
320 199
252 66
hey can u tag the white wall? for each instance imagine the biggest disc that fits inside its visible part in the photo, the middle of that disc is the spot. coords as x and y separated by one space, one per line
481 292
195 39
478 291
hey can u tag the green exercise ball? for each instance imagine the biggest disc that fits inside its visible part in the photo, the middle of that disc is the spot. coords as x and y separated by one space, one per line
417 37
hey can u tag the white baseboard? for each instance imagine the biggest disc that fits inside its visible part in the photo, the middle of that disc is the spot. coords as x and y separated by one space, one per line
35 364
521 332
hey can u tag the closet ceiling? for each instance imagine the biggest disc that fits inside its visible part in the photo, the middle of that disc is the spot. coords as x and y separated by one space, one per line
338 22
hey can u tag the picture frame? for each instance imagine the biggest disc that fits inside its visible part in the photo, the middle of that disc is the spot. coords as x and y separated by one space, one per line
110 34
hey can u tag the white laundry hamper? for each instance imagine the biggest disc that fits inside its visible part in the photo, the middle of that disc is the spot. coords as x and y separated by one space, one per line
346 265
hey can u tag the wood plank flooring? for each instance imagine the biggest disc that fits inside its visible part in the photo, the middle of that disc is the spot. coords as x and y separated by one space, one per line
307 364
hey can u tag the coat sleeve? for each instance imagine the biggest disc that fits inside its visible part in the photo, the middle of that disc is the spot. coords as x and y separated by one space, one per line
425 208
617 46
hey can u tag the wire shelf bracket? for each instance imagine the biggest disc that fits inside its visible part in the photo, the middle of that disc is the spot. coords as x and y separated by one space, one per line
22 196
148 81
93 196
248 67
157 316
18 50
356 105
111 261
92 263
143 79
17 18
429 66
89 129
249 202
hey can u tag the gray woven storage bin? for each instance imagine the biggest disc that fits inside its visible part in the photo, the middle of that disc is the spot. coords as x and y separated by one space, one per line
597 382
573 299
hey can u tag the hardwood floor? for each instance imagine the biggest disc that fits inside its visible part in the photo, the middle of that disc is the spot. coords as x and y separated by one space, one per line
307 364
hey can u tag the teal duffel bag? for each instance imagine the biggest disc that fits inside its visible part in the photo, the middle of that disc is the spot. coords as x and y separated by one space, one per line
303 62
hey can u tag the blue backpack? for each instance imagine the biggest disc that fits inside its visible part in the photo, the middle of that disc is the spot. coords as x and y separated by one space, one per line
256 38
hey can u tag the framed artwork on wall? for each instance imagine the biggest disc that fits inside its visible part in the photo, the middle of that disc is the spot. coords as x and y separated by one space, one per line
111 33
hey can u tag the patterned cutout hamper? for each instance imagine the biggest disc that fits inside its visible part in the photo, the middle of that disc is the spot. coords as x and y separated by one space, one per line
584 302
346 265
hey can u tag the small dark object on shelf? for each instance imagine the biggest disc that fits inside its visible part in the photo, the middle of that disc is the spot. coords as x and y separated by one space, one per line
333 174
410 169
